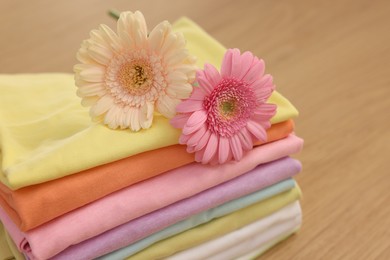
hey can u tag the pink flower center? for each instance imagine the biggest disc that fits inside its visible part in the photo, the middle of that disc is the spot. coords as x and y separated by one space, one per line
229 107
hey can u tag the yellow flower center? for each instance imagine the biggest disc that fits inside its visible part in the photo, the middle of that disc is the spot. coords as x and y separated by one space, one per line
136 77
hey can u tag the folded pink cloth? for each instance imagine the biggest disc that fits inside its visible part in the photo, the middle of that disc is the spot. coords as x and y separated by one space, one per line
252 183
127 204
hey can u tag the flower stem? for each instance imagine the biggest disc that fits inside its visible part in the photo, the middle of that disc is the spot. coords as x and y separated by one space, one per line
114 13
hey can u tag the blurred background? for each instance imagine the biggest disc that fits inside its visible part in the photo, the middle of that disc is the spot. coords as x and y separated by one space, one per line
331 59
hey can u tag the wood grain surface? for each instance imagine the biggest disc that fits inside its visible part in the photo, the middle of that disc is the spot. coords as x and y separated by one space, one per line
330 58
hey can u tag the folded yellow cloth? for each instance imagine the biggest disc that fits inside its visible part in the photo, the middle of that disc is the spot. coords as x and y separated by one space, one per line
217 227
46 134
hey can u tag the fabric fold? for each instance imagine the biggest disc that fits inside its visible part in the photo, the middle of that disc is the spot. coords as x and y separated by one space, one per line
217 227
266 246
204 217
125 205
220 200
260 240
25 205
248 238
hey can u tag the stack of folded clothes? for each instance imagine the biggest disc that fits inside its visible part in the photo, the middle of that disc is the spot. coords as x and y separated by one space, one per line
72 189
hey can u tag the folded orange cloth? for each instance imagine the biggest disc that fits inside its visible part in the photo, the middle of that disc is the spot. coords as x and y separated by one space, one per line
34 205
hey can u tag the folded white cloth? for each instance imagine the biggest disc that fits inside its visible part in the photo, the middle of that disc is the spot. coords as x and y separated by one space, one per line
260 250
248 239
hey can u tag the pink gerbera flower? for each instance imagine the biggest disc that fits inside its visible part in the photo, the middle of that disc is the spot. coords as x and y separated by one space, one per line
228 112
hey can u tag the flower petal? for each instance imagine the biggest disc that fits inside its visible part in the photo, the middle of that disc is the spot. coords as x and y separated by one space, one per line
197 94
203 141
102 106
265 80
141 25
198 117
124 25
236 64
245 139
255 72
178 43
190 149
82 66
95 74
139 37
176 57
146 115
98 39
235 144
180 91
246 63
89 101
177 77
211 148
263 94
263 88
226 67
195 122
169 40
180 120
257 130
134 119
203 82
189 106
132 29
167 106
195 138
183 139
224 149
157 36
212 75
199 155
82 55
265 112
99 54
112 116
93 89
126 119
110 37
187 69
122 119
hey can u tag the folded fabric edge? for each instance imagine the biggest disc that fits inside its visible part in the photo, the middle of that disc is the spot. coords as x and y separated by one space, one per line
15 212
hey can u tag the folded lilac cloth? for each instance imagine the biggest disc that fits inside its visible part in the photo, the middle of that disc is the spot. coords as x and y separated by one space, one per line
257 179
125 205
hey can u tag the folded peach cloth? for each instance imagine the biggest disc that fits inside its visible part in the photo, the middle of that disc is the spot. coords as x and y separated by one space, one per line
57 197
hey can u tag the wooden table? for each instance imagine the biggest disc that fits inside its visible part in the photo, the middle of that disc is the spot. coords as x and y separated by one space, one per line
330 58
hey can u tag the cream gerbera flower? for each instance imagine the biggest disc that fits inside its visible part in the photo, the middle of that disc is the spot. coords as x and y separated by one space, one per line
124 76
